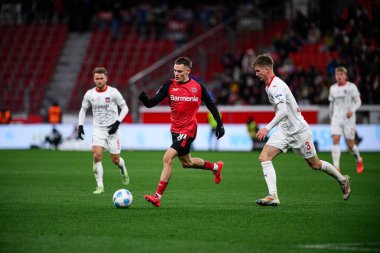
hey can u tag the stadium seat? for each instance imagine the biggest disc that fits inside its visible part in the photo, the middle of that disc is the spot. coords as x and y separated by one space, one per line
24 52
123 58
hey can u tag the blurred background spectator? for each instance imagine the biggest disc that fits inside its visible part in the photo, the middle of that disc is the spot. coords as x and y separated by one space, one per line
53 44
5 116
54 139
55 114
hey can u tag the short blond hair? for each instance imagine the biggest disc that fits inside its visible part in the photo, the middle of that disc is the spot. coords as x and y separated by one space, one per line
263 60
341 69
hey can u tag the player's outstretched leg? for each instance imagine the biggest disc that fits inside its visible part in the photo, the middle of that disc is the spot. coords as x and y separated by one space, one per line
270 200
360 166
270 179
335 153
123 172
98 190
98 173
218 173
154 199
359 160
215 167
345 186
344 181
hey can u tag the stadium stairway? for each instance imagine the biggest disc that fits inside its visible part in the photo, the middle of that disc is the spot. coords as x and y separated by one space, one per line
67 70
122 57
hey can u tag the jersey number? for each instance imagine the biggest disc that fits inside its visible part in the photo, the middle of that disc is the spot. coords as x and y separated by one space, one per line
181 137
307 145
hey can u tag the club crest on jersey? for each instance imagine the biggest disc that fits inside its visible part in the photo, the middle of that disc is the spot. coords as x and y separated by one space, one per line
108 99
194 89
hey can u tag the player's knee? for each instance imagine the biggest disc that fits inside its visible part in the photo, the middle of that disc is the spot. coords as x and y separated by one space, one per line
167 160
315 165
263 158
187 164
97 157
115 160
350 144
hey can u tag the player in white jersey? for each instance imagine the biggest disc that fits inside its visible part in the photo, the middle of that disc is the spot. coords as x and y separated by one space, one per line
105 101
293 133
344 100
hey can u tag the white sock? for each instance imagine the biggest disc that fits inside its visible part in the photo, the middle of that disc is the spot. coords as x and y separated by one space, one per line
332 171
98 173
215 167
355 152
269 176
335 153
121 166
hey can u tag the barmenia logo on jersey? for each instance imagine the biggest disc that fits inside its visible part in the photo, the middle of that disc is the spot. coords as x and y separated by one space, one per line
178 98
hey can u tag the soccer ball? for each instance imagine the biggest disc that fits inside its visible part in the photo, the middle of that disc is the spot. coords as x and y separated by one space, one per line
122 198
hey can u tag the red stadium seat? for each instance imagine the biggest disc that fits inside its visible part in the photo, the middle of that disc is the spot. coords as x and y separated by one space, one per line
24 54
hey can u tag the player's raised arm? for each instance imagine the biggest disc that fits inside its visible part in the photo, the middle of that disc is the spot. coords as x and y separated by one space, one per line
160 95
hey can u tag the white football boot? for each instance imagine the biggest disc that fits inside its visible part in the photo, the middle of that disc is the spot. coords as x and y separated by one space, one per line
270 200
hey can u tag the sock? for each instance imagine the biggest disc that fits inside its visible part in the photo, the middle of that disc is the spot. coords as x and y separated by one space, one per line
332 171
161 188
269 176
98 173
121 166
355 152
335 153
210 166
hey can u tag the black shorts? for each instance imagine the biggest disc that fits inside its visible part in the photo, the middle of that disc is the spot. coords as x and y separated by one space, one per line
182 143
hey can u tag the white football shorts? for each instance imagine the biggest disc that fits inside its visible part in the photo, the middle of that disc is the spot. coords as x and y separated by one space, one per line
347 126
302 144
108 141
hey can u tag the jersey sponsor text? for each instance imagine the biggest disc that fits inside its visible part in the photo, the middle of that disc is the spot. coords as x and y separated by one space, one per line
178 98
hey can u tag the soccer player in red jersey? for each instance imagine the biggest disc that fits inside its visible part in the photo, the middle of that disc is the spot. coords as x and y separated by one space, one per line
185 96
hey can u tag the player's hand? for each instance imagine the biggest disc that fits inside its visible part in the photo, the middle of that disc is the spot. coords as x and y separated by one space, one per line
143 97
219 131
262 133
113 128
80 132
349 114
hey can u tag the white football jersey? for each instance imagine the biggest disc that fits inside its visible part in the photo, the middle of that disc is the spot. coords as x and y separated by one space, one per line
279 92
343 98
104 105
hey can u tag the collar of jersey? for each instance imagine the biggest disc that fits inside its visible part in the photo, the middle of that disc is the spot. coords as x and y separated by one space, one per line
270 81
184 82
102 90
342 84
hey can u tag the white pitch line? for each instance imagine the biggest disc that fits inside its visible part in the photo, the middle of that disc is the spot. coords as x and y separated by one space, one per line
364 247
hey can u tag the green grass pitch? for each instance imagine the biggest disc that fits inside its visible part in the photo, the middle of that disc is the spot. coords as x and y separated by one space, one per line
47 205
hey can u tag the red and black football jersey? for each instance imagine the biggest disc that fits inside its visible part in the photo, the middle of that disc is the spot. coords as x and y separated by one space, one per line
184 100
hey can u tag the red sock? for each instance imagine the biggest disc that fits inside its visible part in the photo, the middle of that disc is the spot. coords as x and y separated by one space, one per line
208 165
161 187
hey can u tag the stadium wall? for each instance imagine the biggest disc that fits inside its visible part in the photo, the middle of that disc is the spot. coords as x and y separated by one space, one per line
157 137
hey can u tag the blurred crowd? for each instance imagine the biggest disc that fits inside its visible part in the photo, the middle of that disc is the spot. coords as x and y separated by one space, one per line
353 34
160 19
